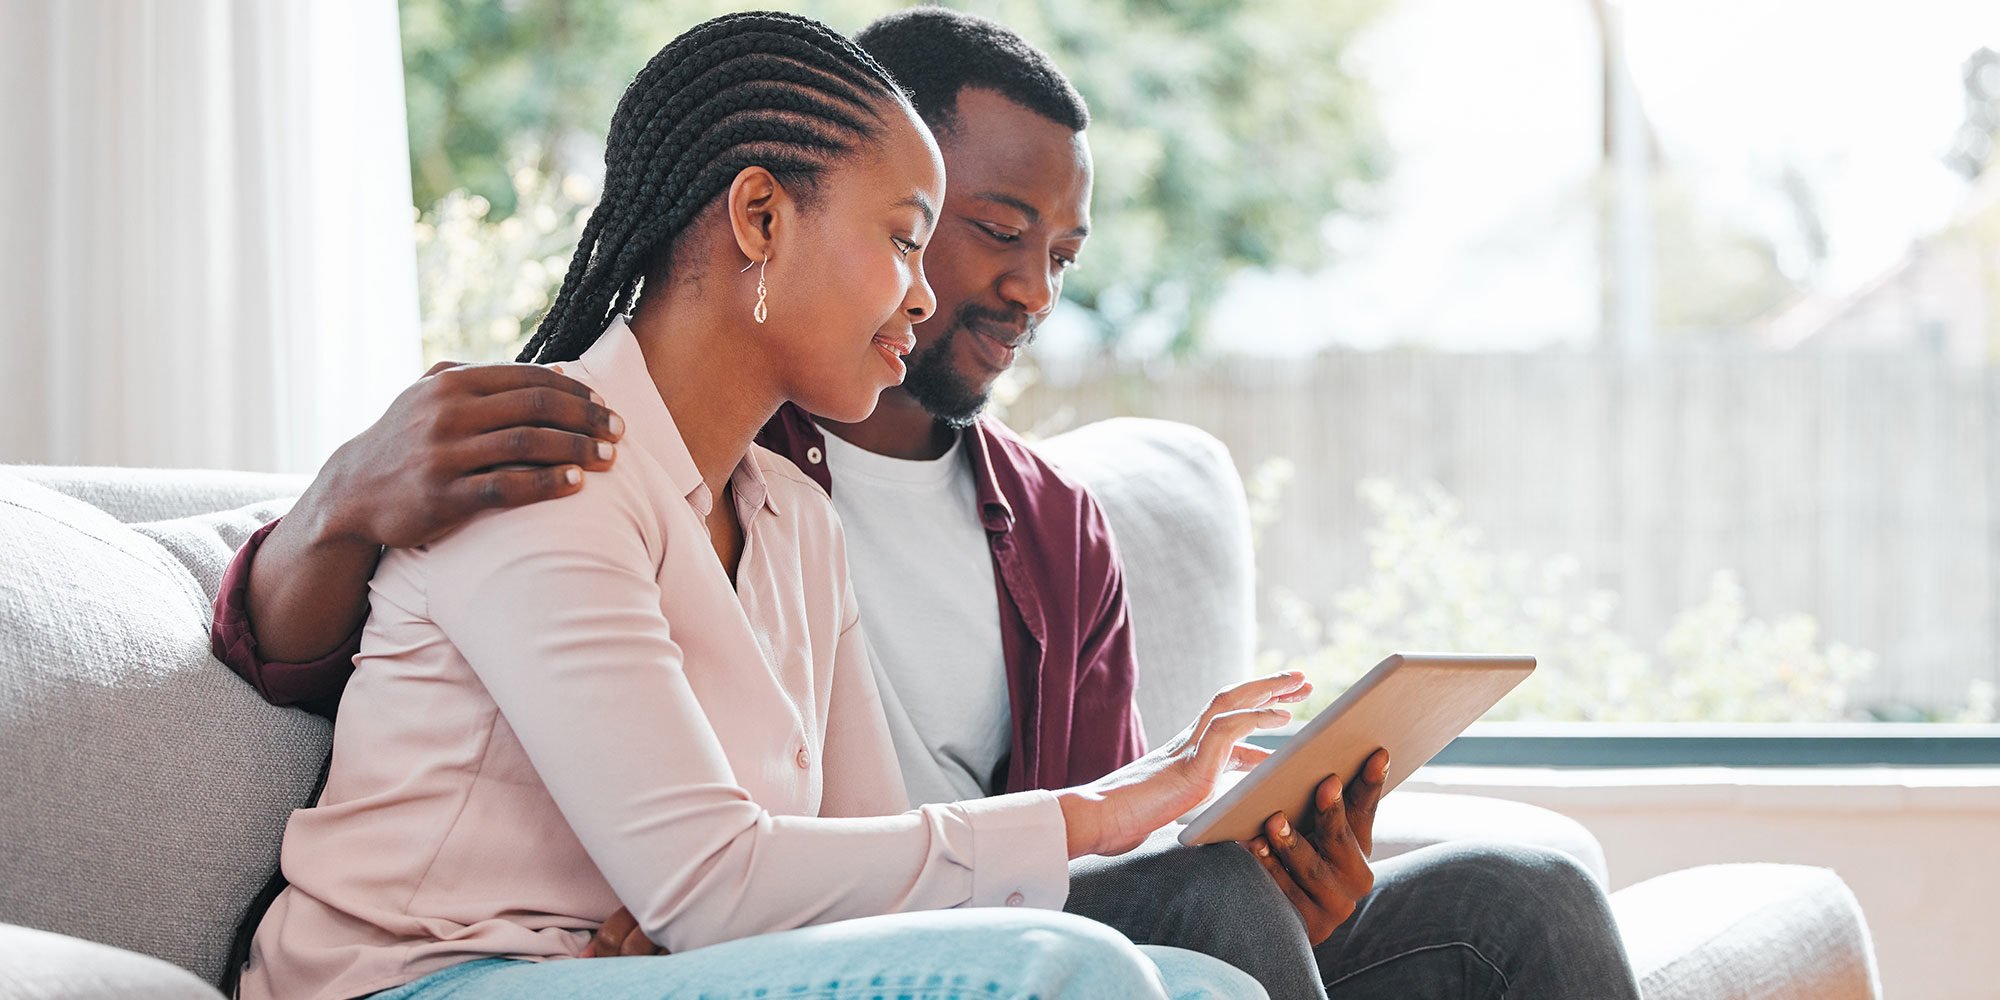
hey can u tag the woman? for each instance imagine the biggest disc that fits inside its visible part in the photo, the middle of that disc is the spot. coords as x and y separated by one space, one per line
653 693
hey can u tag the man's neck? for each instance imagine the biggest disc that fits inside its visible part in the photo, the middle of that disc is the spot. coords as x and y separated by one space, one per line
899 428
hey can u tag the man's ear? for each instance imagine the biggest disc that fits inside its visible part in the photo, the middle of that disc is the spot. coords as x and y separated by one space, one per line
756 201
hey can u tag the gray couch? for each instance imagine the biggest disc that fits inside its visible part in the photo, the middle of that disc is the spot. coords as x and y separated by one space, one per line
145 788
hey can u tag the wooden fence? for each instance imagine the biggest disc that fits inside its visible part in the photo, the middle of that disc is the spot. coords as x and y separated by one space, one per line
1858 488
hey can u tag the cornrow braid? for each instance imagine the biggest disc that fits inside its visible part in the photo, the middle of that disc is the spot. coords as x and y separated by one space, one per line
766 89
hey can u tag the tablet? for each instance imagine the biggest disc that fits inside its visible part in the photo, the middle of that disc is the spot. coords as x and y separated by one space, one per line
1412 703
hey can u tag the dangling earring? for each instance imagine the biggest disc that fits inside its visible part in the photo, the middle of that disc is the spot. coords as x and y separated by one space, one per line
761 312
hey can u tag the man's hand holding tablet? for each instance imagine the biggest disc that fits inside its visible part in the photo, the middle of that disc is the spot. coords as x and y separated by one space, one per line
1412 703
1322 865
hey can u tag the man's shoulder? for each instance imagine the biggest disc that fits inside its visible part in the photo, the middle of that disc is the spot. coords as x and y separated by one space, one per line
1059 511
1022 473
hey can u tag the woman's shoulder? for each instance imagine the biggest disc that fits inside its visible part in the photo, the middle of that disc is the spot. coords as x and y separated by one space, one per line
796 496
613 511
787 481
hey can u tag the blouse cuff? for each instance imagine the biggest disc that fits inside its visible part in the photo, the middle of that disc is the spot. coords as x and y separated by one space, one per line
1021 850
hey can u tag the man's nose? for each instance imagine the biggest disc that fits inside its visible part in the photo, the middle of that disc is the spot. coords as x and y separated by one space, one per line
1029 290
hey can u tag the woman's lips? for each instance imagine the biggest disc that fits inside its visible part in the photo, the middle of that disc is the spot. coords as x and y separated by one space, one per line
893 350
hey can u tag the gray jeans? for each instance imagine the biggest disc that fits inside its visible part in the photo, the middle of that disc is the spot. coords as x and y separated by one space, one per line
1474 919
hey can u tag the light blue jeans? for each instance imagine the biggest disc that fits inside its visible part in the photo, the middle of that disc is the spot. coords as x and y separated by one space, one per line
942 955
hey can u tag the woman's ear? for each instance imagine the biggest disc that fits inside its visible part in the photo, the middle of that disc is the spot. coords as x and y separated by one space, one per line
755 202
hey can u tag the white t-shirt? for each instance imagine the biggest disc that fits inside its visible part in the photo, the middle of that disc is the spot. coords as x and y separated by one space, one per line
923 572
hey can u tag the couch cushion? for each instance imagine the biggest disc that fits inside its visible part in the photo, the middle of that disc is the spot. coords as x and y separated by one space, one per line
204 544
1182 525
1747 932
151 494
146 787
37 965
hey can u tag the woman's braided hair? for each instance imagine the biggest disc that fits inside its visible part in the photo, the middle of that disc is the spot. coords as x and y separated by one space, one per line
759 89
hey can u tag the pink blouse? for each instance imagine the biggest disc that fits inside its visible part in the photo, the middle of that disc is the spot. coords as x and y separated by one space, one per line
566 707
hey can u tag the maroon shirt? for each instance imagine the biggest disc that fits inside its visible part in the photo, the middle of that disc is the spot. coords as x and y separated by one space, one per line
1064 630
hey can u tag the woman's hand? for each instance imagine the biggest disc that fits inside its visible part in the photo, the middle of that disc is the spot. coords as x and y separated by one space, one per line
1115 813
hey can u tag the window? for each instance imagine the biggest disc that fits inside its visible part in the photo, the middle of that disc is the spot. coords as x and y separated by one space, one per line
1654 338
1673 369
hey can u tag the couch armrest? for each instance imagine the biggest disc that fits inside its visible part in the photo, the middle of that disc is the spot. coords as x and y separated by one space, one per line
134 495
1747 932
38 965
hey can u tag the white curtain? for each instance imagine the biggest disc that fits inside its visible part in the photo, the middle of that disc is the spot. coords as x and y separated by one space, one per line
205 230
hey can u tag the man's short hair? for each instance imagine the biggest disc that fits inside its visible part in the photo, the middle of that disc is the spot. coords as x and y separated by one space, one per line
935 53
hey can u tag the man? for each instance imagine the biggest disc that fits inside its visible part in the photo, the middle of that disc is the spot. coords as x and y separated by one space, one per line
992 596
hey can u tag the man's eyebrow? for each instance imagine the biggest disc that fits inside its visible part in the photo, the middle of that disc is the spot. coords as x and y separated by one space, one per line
921 204
1033 214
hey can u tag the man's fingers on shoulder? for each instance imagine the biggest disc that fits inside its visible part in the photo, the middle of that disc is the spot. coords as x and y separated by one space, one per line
520 487
467 378
544 406
506 376
491 378
528 445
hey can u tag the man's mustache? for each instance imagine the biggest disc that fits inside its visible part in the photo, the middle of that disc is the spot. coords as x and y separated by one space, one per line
1015 329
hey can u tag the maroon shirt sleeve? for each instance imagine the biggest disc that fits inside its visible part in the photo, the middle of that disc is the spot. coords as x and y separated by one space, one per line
1107 671
313 686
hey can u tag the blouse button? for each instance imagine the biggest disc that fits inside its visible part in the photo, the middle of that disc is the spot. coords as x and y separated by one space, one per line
804 758
813 455
1016 899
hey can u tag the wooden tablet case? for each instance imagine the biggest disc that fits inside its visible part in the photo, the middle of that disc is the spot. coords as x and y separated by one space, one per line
1412 703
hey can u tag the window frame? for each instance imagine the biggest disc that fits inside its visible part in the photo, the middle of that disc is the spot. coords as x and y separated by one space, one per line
1695 744
1609 745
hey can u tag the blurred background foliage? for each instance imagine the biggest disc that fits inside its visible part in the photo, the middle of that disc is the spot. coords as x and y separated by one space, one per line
509 101
1436 583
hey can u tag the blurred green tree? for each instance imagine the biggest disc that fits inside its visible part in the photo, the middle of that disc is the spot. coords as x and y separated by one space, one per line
1226 131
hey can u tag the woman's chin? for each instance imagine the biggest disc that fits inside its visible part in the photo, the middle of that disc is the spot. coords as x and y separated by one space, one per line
851 409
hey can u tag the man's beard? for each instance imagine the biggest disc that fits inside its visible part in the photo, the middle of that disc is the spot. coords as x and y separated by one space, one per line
936 383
